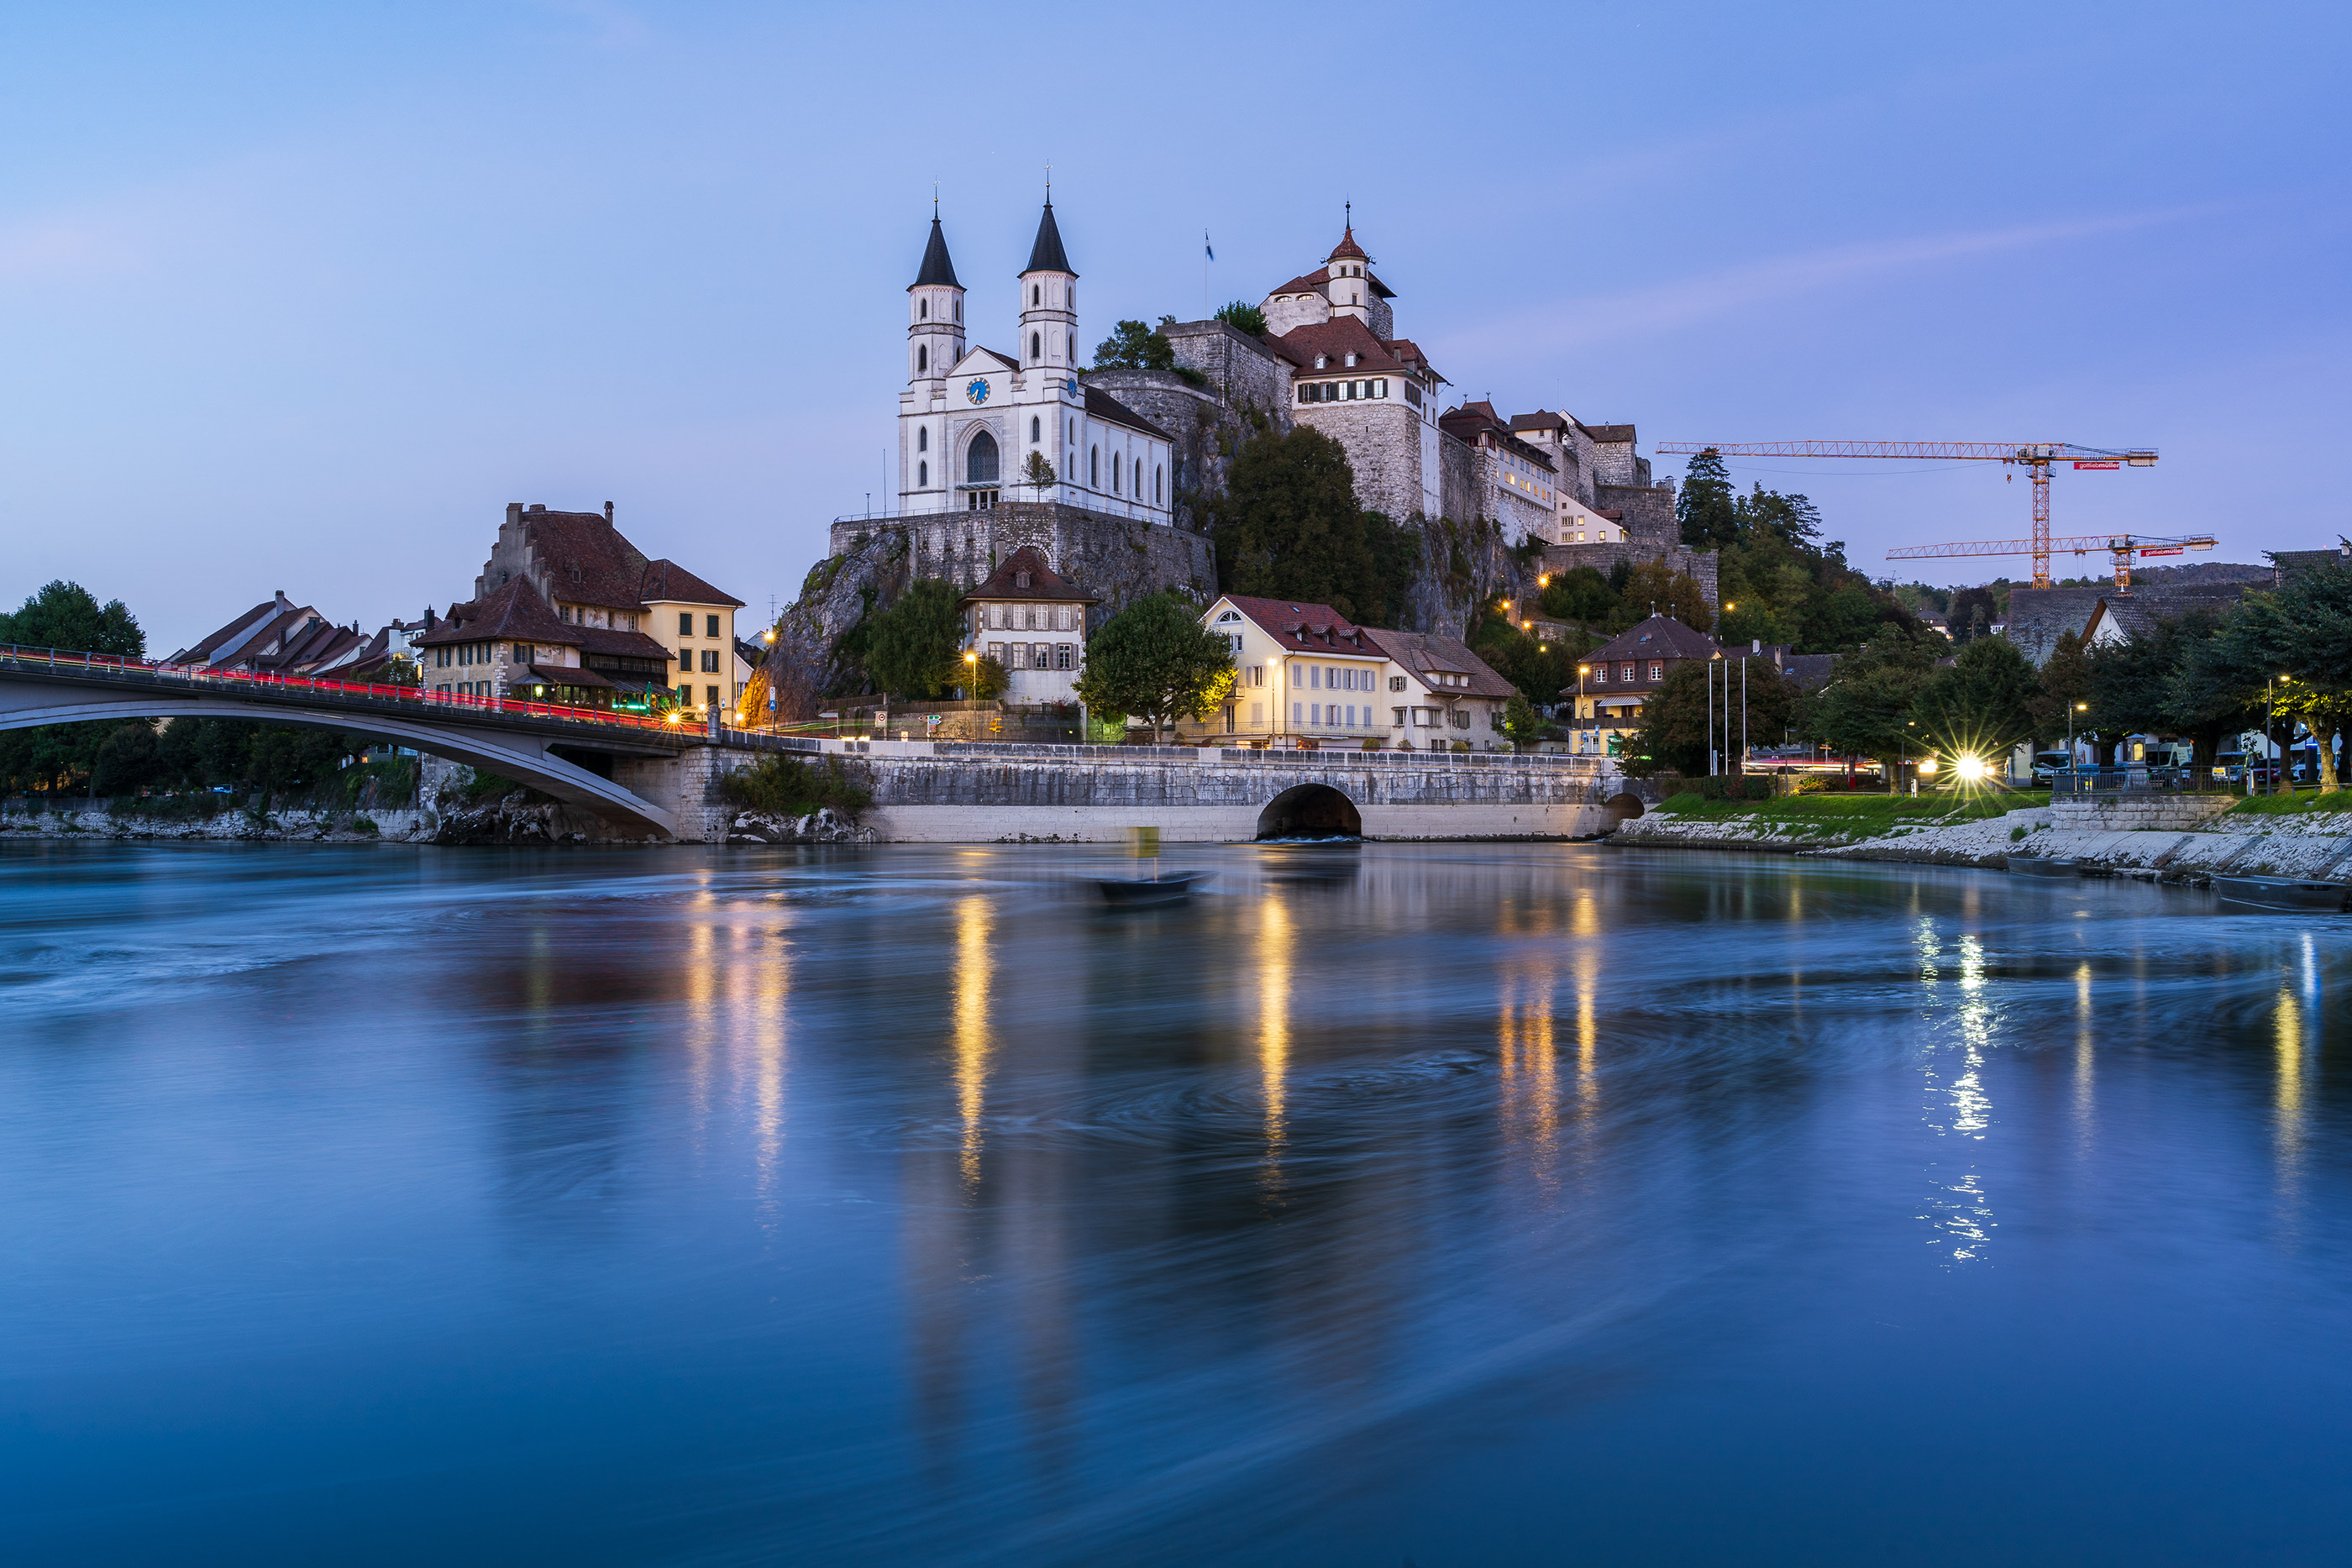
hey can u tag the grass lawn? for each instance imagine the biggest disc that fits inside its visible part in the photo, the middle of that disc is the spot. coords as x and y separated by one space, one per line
1856 815
2296 805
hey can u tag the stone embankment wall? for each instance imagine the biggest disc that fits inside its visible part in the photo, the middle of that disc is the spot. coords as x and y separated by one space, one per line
100 820
2180 839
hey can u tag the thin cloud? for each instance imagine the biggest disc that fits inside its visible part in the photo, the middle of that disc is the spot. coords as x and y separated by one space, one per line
1672 305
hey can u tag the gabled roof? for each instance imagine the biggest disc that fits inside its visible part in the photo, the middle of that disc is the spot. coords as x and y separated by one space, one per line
1542 419
1045 253
515 611
587 561
1611 434
1334 339
667 580
1307 628
936 269
1003 361
1103 406
1044 583
1319 282
1426 654
1473 420
1659 637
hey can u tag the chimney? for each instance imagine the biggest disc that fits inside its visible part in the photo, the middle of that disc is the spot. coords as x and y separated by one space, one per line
539 505
608 514
514 511
1756 645
283 603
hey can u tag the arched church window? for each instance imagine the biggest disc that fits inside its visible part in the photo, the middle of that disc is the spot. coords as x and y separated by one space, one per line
959 316
1094 466
980 462
1114 473
922 359
923 310
1037 346
1036 430
922 438
1156 472
923 476
1035 293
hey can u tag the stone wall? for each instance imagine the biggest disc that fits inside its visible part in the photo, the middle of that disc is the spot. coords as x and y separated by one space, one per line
1698 564
2137 813
1384 448
1240 370
1649 511
1205 431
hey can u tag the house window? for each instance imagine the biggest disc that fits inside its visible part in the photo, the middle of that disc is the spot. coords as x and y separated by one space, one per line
1626 675
710 660
996 651
1296 709
1063 654
1657 669
1599 674
1258 674
710 694
710 626
1396 683
980 462
686 658
686 697
1396 718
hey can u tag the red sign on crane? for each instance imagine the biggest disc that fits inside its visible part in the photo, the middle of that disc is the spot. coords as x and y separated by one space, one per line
2100 465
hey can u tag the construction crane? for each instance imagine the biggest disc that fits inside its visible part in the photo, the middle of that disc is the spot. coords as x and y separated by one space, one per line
2038 457
2122 546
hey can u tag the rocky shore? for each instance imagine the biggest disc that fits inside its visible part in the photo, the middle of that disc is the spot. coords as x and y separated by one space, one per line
2102 836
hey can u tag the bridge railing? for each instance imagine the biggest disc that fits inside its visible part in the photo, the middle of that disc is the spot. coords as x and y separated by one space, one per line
413 698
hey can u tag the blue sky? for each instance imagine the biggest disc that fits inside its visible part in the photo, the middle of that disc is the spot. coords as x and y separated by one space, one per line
299 296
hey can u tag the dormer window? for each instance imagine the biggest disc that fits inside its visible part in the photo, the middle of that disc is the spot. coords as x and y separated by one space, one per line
1020 580
1322 361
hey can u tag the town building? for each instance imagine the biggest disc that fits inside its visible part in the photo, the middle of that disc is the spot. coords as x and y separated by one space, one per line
278 637
1306 675
509 644
1614 683
653 632
1516 481
1035 624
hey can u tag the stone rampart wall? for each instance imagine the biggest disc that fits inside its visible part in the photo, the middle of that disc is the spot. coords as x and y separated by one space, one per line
1649 511
1699 564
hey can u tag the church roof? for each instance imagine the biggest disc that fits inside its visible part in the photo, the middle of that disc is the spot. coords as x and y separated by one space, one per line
1347 249
937 267
1103 406
1046 254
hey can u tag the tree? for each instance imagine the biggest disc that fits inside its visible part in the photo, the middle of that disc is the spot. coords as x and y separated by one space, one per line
1654 588
1037 473
1865 709
1287 527
912 648
68 615
1242 317
1520 721
2165 680
2303 632
1704 506
1154 661
1982 704
1680 720
1791 519
2064 683
1133 346
986 678
1579 594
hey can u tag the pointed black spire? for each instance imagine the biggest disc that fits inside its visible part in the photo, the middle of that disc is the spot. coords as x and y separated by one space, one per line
1046 256
937 267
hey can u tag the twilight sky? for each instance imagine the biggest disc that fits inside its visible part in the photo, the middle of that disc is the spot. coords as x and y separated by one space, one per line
299 296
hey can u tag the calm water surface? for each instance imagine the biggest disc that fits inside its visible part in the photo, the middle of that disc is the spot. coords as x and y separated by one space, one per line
1450 1204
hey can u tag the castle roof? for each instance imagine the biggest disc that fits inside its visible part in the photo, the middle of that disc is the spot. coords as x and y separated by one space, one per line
1316 282
1473 420
1542 419
1026 575
1347 249
1334 341
1046 255
937 268
1611 434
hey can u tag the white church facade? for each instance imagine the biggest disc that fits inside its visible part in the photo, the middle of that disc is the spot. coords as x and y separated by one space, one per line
977 425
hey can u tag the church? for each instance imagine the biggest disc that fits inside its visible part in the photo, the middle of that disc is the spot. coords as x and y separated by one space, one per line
977 426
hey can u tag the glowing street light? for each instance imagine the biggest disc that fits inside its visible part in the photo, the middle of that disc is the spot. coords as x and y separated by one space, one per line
1971 769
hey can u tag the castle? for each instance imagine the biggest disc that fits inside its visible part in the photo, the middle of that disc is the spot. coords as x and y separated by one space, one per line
1106 472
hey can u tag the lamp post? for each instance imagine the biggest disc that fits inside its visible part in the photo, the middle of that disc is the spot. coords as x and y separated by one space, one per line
2071 712
970 674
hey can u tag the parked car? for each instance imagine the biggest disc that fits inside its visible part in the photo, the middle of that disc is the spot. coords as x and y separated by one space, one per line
2047 763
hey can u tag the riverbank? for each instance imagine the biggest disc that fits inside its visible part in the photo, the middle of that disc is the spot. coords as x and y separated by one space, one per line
2189 839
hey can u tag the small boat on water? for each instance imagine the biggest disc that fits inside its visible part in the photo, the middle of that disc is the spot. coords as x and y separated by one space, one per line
2042 865
2281 894
1134 893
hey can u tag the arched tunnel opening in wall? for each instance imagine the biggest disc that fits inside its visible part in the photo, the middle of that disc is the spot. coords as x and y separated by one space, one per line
1621 808
1309 810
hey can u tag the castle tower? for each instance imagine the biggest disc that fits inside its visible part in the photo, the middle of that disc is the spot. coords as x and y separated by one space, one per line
1351 286
1049 304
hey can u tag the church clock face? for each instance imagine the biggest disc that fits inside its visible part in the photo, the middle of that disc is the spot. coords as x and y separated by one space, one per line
977 392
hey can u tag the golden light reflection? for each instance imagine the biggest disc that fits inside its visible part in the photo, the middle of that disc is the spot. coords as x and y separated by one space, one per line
2084 1106
2287 1031
704 972
771 1012
1273 1034
1530 1069
971 1036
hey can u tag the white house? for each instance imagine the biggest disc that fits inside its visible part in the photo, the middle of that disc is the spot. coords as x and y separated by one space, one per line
1033 623
1306 675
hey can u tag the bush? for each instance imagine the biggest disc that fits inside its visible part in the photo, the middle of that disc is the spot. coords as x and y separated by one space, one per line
782 785
1738 786
2016 835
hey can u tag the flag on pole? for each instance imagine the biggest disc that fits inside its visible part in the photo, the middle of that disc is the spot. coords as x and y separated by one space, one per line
1207 246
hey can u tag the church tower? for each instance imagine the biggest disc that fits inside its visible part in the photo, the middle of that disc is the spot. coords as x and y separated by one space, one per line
1049 305
934 314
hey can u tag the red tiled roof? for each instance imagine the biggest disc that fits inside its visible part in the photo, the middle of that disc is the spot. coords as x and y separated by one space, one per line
514 611
1305 628
667 580
586 560
1347 249
1336 339
1426 654
1306 283
614 640
1043 581
1610 433
1659 637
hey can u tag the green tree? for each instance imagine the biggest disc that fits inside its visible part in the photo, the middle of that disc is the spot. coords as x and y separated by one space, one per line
1242 317
1520 721
1133 346
1579 594
1037 473
1680 720
912 650
1982 704
1654 588
67 615
1154 661
1287 527
2063 683
1865 710
2174 679
2303 634
1704 507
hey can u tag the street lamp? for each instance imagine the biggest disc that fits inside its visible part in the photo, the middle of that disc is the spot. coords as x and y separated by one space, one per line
970 673
2071 712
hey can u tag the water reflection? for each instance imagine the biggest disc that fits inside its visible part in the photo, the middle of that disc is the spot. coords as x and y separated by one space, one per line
971 1028
1965 1214
1275 942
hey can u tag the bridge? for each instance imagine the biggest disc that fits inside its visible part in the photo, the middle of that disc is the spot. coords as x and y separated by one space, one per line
580 755
656 776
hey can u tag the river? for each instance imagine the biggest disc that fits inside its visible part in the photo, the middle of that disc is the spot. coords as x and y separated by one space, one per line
1441 1204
